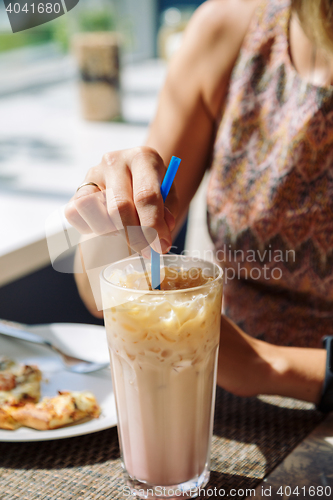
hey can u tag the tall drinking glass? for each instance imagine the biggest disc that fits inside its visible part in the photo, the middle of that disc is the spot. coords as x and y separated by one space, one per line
163 347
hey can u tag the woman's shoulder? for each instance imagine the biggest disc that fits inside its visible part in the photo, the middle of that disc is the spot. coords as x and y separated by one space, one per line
214 37
218 23
218 18
201 68
225 14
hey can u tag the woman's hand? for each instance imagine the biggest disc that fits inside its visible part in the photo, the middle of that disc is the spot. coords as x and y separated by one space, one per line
248 366
130 180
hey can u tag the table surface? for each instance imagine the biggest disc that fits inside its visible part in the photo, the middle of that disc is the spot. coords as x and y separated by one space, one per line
251 437
308 471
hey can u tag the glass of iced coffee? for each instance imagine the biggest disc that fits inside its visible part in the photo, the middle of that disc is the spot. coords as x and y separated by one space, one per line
163 347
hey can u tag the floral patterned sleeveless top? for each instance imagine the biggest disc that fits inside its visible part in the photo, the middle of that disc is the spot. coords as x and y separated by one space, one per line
270 195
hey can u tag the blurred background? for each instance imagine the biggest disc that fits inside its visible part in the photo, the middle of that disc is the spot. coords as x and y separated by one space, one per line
70 90
138 22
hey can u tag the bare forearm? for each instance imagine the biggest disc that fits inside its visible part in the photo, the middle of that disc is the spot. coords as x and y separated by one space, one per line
296 372
248 366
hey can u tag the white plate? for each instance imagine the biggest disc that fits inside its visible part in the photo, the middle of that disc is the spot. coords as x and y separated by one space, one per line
83 341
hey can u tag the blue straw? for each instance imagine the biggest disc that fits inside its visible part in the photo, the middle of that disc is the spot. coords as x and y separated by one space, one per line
165 188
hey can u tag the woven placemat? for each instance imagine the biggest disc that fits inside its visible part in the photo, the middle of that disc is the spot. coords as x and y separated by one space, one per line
251 436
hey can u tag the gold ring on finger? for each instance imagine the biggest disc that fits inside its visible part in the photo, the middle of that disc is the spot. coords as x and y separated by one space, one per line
89 184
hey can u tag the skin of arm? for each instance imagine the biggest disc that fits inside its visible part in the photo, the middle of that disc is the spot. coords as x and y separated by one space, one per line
196 86
248 366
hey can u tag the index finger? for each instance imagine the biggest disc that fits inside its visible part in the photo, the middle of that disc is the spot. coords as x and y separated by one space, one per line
148 171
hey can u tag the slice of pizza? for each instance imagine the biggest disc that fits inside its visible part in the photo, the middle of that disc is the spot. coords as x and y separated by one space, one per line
52 413
18 383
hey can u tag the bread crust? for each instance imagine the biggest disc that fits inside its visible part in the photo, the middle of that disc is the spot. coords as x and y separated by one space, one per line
62 410
7 420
